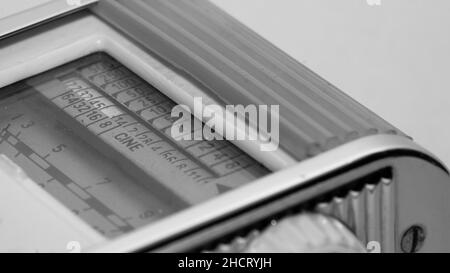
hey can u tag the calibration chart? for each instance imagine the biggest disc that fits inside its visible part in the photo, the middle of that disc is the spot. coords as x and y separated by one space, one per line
97 138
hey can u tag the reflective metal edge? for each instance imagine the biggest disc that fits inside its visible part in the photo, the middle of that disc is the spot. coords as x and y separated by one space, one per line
234 201
38 14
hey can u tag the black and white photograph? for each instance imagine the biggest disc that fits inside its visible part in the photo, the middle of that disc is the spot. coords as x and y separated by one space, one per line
232 133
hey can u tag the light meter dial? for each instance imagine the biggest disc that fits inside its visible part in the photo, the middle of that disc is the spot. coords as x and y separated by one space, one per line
302 233
306 233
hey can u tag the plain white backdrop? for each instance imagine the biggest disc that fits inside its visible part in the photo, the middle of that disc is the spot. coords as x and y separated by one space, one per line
394 57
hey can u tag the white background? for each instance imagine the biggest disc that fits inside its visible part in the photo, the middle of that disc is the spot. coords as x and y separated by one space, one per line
393 58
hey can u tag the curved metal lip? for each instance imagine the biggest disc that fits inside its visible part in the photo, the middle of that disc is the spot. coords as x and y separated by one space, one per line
32 15
304 173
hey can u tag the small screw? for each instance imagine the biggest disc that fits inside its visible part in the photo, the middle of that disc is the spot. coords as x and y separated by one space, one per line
413 239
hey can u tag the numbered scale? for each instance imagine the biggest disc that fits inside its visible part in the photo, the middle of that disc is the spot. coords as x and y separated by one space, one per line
97 137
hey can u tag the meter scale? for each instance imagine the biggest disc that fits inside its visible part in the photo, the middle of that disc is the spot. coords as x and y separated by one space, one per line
96 137
134 119
74 172
153 108
70 187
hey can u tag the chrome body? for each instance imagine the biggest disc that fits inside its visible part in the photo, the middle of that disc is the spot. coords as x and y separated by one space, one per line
334 156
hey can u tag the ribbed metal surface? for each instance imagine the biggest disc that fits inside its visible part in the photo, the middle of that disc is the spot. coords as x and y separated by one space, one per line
369 212
238 244
240 67
305 232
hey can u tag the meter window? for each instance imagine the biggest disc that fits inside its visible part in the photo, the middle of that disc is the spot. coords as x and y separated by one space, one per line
96 137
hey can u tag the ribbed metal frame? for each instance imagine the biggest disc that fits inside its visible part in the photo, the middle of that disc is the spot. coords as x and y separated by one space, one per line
240 67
